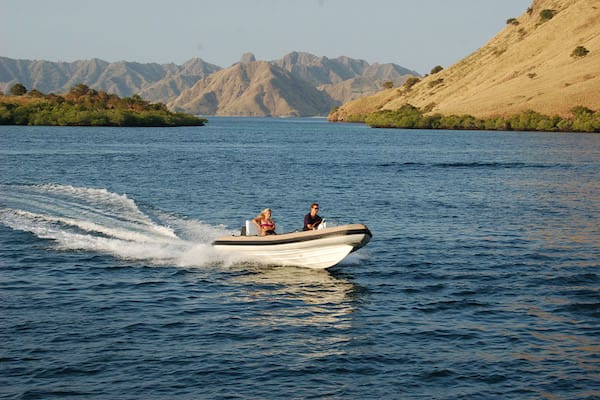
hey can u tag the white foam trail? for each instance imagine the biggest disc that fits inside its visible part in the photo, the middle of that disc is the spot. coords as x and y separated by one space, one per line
97 220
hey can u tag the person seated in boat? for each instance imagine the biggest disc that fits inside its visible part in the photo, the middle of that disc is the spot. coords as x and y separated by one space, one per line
266 226
312 219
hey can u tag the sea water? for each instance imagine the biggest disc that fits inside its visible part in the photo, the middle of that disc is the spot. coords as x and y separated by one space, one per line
482 279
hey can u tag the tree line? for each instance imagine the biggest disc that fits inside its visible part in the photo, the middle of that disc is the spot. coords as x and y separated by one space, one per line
410 117
83 106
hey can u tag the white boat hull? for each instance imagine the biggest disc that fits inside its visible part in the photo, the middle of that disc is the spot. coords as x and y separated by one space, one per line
310 249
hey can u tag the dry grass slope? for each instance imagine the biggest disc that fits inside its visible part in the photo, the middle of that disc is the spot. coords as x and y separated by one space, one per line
527 66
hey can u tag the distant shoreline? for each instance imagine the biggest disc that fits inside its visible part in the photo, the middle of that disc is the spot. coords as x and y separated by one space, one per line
409 117
83 106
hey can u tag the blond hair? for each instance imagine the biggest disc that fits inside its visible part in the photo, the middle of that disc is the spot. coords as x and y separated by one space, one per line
263 213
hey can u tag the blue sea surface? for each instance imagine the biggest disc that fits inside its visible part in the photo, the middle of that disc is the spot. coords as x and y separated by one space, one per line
482 280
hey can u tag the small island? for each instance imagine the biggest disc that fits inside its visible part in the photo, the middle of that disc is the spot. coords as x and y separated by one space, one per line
83 106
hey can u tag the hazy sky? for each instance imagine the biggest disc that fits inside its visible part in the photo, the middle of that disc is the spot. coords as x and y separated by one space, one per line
416 34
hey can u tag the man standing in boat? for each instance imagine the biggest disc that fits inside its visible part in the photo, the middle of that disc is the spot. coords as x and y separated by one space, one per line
312 219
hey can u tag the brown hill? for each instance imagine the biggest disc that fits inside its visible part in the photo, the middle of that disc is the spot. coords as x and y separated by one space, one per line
529 65
256 88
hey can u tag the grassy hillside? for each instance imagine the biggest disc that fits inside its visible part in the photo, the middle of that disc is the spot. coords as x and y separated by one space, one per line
545 60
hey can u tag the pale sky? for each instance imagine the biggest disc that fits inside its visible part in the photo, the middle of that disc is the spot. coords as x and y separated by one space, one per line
416 34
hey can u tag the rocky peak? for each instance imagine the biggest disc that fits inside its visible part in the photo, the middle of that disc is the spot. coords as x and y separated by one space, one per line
247 58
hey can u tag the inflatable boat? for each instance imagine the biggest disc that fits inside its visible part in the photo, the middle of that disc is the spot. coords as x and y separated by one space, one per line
317 249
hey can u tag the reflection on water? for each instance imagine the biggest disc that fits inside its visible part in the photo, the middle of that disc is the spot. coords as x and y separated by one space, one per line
309 311
304 297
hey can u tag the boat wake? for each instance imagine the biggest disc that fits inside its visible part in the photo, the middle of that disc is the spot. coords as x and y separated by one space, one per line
89 219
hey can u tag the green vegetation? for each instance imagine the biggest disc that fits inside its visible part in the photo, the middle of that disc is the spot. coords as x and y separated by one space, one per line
409 117
546 15
388 84
579 51
356 118
18 90
436 82
410 82
83 106
436 69
512 21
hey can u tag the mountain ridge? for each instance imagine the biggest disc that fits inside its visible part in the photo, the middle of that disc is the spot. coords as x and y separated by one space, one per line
256 88
123 78
336 81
